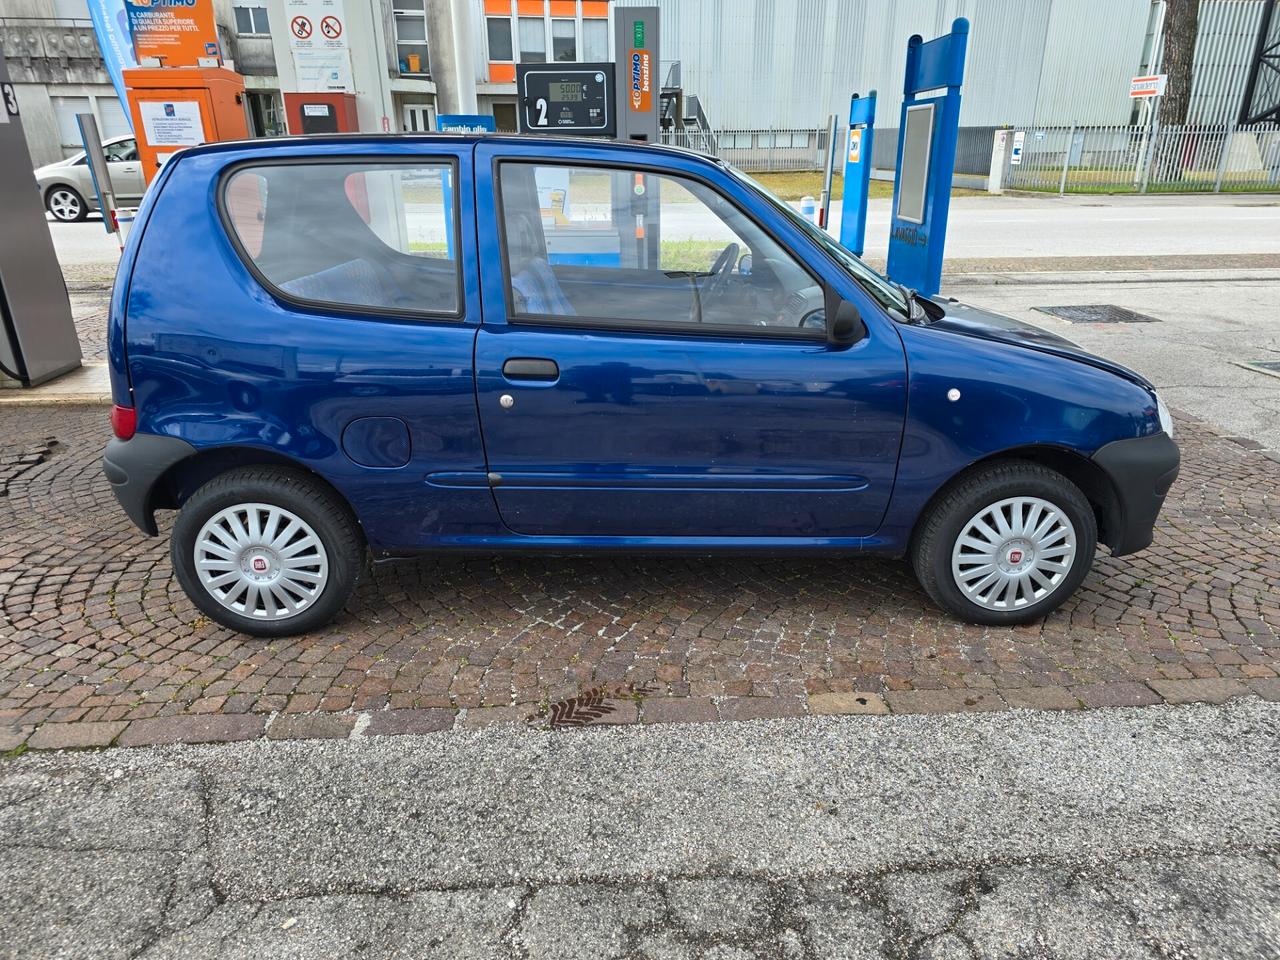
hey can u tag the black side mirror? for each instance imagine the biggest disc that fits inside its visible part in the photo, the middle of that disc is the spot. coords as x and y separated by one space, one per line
844 324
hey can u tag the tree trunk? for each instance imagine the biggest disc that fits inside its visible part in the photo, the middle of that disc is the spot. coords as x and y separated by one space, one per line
1181 21
1170 151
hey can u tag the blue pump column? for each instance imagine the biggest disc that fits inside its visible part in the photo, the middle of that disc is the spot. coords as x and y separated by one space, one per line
927 134
857 172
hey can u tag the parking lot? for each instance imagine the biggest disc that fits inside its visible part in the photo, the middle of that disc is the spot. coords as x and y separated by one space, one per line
98 644
95 629
989 831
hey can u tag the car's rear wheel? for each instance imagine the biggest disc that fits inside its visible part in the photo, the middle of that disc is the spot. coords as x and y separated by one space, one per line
267 551
66 204
1007 544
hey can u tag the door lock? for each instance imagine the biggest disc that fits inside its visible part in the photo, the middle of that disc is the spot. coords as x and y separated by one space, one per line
507 401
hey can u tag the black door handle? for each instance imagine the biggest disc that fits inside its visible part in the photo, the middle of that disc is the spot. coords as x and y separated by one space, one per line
530 368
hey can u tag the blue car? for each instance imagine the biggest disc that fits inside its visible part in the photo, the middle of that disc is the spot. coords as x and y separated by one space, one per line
325 349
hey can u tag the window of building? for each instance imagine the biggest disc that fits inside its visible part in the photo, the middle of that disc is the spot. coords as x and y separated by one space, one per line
411 36
378 237
112 121
569 230
595 41
533 40
504 117
64 112
251 18
499 29
564 40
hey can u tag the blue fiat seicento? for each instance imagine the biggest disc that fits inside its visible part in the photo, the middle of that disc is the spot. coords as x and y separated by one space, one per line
325 348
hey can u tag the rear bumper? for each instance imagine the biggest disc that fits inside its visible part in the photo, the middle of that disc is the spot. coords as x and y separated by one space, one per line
133 466
1141 471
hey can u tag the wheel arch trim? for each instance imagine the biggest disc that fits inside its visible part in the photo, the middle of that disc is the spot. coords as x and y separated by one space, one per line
151 472
1094 482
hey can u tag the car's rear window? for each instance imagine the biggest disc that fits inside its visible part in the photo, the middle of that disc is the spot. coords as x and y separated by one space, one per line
375 237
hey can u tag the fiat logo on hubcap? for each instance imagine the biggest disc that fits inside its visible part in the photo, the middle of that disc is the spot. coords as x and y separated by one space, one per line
1015 556
260 565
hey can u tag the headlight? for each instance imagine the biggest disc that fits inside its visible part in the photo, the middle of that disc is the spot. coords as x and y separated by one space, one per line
1166 421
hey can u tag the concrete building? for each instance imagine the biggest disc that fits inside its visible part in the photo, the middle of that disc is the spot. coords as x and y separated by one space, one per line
57 72
754 66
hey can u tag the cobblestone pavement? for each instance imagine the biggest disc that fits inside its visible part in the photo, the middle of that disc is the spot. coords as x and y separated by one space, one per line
96 634
888 838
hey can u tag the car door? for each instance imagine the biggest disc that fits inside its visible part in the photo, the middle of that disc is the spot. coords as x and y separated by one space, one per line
653 361
125 170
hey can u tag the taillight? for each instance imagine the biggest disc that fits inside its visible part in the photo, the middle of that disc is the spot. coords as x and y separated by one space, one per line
124 421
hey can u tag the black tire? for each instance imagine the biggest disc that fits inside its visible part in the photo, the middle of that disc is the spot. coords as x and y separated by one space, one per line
937 532
293 490
49 204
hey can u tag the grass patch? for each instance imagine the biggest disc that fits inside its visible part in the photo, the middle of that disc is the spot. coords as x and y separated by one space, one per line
696 255
794 184
432 248
1121 180
15 753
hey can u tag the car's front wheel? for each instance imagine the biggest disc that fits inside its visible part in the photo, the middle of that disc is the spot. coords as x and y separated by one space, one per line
66 204
1006 545
267 551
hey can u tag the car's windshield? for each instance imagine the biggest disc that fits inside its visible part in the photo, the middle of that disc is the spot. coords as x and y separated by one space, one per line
876 285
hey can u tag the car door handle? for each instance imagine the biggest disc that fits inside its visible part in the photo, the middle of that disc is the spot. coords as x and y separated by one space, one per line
530 368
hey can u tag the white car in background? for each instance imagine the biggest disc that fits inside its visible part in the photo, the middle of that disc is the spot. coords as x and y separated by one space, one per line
67 186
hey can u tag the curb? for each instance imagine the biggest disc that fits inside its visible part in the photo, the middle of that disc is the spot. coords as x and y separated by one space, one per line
351 725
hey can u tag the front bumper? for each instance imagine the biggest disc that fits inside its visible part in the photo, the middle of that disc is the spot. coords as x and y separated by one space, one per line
133 466
1141 471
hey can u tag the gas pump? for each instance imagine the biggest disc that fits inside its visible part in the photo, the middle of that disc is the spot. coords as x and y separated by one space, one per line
600 100
37 336
176 107
307 113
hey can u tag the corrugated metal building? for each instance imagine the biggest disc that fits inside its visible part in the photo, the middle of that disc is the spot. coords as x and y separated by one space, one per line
761 64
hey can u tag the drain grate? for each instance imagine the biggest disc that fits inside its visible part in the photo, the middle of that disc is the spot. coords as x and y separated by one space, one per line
1097 313
1269 367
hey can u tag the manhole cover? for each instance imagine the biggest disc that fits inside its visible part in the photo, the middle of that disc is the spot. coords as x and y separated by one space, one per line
1097 313
1269 367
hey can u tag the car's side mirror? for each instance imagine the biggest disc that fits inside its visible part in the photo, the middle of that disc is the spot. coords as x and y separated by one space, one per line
844 324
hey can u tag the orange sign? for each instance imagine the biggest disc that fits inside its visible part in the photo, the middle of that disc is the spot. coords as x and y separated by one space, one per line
179 32
641 82
855 145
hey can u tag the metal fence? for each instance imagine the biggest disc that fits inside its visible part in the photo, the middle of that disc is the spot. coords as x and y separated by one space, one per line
1137 159
1069 159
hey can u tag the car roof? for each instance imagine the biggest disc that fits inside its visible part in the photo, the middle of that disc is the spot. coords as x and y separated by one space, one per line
372 140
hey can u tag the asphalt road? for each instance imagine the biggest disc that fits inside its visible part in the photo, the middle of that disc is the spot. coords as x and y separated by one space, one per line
990 227
1105 834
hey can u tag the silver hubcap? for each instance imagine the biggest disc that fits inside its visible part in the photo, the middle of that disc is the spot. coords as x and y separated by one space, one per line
261 561
64 205
1013 553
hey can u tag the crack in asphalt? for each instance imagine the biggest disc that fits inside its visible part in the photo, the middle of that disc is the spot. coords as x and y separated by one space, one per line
1162 821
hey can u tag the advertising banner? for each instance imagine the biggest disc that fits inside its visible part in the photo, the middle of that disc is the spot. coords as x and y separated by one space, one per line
318 42
640 81
111 26
179 32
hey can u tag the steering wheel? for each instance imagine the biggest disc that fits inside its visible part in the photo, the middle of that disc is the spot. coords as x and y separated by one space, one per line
720 271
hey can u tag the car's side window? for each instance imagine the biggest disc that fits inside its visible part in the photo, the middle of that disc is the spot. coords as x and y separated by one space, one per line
638 248
122 152
370 236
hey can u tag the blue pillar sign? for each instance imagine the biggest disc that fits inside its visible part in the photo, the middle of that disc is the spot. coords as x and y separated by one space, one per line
926 158
466 123
857 172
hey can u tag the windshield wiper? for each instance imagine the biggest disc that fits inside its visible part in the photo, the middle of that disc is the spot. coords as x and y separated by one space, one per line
922 310
915 310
